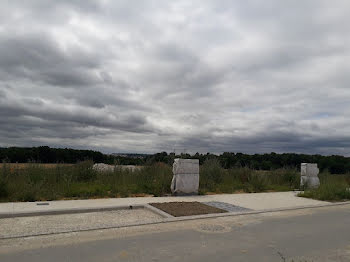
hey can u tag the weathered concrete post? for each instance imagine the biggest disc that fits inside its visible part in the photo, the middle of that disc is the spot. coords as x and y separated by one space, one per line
309 175
186 176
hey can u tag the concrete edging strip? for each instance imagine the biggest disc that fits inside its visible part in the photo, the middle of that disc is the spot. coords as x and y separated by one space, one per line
67 211
158 211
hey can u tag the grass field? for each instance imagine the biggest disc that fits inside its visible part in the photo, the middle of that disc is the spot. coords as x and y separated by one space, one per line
33 182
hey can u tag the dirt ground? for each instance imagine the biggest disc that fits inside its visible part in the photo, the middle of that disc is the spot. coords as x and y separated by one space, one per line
179 209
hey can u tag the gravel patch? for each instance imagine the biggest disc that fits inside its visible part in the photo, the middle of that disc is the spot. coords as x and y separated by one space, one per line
178 209
226 206
26 226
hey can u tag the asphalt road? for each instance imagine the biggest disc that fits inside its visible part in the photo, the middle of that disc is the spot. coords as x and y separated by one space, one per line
321 234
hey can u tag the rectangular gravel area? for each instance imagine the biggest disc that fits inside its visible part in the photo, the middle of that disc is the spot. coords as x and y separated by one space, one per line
27 226
178 209
226 206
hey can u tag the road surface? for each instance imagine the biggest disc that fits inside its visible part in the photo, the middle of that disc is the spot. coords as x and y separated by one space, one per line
321 234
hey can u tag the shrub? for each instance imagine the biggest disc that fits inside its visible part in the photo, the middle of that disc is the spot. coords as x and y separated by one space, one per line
211 174
28 196
155 179
83 171
288 178
4 174
241 174
3 190
256 183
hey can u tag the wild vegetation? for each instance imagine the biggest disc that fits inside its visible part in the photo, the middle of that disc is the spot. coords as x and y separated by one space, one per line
214 178
332 188
39 182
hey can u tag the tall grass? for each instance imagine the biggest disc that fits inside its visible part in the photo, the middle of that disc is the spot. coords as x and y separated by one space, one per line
332 188
213 178
36 182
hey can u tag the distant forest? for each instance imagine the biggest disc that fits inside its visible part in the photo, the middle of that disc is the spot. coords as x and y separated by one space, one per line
44 154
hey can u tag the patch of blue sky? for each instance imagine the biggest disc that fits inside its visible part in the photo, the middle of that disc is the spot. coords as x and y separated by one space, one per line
321 115
250 109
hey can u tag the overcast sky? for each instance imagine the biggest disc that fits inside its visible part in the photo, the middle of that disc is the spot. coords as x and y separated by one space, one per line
149 76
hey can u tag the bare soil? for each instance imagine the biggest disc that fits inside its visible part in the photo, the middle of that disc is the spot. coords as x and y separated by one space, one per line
179 209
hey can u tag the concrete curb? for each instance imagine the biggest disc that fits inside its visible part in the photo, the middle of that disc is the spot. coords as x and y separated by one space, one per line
158 211
179 219
67 211
83 210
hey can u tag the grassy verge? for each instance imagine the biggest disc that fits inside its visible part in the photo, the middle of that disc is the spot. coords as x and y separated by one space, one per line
36 182
332 188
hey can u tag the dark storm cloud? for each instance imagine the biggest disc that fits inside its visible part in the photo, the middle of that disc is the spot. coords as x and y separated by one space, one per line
146 76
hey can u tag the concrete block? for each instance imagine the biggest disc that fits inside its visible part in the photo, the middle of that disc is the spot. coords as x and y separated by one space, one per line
309 175
186 166
310 170
186 176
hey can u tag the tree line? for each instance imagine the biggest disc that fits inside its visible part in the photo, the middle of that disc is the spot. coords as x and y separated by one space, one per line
45 154
335 164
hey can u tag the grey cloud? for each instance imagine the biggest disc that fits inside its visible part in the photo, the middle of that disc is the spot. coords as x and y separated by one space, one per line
246 76
2 95
38 114
38 57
